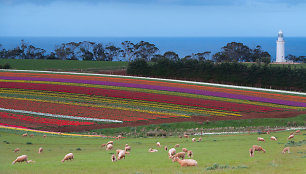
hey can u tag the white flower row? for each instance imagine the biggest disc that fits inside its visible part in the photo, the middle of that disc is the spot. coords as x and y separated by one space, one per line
169 80
61 116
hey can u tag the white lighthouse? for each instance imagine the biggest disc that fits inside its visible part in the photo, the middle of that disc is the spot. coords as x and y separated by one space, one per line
280 48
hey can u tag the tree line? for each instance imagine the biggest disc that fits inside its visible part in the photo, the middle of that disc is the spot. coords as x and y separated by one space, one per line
256 75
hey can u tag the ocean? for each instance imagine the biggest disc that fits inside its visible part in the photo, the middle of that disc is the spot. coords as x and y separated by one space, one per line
183 46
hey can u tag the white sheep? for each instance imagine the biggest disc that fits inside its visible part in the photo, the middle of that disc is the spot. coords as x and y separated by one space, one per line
189 153
193 139
273 138
127 148
22 158
121 154
40 150
158 144
291 136
153 150
179 155
67 157
109 147
184 150
260 139
177 145
113 158
110 142
186 162
17 150
286 149
171 152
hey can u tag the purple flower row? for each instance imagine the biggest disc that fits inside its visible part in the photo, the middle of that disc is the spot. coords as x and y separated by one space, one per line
163 88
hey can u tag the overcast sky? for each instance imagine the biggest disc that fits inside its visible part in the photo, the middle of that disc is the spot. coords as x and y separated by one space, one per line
152 18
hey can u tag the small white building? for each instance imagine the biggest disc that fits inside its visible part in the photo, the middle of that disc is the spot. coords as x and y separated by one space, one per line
280 48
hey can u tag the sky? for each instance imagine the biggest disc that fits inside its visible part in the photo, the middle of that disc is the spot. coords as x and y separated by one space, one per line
152 18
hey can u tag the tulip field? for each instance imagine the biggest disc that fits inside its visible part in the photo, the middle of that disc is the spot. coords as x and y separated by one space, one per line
68 102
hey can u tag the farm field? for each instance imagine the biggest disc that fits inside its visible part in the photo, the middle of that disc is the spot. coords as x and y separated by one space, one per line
76 102
230 152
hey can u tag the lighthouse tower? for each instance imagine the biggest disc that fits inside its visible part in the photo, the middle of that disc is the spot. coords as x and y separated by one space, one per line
280 48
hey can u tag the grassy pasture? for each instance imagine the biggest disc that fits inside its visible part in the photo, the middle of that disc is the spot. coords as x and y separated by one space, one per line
68 65
226 150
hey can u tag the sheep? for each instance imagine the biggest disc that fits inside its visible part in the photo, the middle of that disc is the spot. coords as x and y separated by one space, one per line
67 157
268 132
22 158
193 139
180 136
186 136
286 149
186 162
291 136
158 144
17 150
179 155
297 131
273 138
260 139
171 152
258 148
127 148
121 154
189 153
109 147
251 151
153 150
113 158
177 145
45 136
184 150
166 148
110 142
25 135
32 135
200 139
40 150
118 137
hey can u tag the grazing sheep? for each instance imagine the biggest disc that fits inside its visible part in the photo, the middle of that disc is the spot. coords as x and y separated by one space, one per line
110 142
179 155
166 148
22 158
45 136
117 151
268 132
186 162
251 151
103 145
158 144
189 154
127 148
171 152
109 147
297 131
258 148
17 150
113 158
193 139
121 154
273 138
153 150
184 150
40 150
177 145
200 139
118 137
286 149
291 136
25 135
67 157
186 136
260 139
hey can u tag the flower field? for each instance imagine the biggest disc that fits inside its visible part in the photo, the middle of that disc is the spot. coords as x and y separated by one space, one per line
69 102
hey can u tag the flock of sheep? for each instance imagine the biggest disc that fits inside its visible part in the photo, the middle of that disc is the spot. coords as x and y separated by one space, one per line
176 157
259 148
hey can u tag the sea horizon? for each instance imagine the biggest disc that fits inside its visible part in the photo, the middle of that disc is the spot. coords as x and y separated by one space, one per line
183 46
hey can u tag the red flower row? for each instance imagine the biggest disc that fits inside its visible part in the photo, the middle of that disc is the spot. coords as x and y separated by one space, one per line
42 120
202 103
78 111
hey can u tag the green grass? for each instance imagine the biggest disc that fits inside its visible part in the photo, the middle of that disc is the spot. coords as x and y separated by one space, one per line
68 65
221 154
182 126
